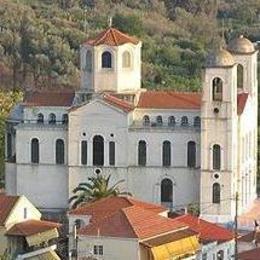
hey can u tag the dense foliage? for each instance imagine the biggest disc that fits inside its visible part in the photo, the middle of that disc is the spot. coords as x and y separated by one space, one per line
39 39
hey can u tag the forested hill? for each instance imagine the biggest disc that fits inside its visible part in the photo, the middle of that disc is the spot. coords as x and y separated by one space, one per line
39 39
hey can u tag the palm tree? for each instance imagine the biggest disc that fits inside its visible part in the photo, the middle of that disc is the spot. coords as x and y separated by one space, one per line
96 188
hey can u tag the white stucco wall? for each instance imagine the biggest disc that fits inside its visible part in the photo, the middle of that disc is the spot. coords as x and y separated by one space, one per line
117 78
113 248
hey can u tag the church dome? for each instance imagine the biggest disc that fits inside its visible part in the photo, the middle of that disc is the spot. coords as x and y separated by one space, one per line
241 45
220 58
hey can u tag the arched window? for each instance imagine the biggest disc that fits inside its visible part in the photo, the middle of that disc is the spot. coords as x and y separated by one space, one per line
142 153
240 76
9 146
35 153
171 121
191 154
216 193
196 122
159 120
217 89
166 153
52 119
98 150
220 255
184 121
40 118
65 119
106 60
84 152
112 153
60 151
216 157
166 190
126 59
89 61
146 120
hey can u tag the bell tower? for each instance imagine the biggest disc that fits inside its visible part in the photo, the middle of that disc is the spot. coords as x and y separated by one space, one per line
111 62
219 138
245 56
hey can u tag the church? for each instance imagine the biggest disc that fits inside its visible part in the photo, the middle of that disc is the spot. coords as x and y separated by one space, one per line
172 148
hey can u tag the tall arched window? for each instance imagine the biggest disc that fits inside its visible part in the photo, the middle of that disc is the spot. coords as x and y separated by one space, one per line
142 153
196 122
65 119
216 193
9 146
84 152
112 153
60 151
52 119
98 150
126 59
240 76
166 153
159 120
89 61
35 153
220 255
146 120
216 157
184 121
217 89
40 118
166 190
106 60
191 154
171 121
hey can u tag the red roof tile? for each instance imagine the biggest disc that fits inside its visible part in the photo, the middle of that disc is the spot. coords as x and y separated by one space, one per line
6 205
117 102
207 231
241 102
31 227
253 254
132 222
108 206
49 98
169 100
112 37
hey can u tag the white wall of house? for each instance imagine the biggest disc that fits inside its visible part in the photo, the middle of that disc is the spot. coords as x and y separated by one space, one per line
210 250
113 248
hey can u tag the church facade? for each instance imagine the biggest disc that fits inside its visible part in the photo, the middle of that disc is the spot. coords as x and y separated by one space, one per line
174 148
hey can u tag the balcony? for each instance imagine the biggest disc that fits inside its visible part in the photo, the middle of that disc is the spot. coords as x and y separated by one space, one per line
163 127
41 125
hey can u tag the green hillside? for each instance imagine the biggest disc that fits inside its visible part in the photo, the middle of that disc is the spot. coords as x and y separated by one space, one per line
39 40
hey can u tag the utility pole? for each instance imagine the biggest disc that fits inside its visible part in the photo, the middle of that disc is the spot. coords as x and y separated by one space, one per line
236 226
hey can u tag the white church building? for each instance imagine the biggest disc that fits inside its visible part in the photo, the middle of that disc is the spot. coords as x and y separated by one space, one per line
174 148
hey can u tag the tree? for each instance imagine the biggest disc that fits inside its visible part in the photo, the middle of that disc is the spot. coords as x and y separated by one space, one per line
96 188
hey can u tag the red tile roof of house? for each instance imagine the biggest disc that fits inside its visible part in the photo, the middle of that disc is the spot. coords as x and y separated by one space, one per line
241 102
250 237
31 227
6 205
49 98
112 37
119 103
207 231
132 222
110 205
253 254
169 100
